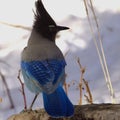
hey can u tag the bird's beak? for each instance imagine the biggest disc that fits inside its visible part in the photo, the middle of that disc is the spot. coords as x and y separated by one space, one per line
59 28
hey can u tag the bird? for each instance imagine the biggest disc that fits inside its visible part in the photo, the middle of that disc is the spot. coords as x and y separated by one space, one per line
43 64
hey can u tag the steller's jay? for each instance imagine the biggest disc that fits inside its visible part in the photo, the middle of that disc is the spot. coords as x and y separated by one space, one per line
43 64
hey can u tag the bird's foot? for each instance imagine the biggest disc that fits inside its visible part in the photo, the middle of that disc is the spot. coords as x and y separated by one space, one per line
33 101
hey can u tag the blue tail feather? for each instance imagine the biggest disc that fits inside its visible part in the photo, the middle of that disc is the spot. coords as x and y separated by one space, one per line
57 104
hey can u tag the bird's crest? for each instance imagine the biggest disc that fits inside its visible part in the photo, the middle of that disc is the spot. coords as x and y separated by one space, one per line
42 18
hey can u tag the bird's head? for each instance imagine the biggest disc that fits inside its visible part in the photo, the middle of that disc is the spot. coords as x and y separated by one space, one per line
44 24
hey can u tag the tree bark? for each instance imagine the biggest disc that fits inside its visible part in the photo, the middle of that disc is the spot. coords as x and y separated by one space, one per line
82 112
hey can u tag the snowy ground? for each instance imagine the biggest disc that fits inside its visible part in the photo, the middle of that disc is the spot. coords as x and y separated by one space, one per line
77 41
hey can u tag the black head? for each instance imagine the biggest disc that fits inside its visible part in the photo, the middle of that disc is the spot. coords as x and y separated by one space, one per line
44 24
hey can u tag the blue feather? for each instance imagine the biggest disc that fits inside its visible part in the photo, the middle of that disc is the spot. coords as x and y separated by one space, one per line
48 76
31 84
57 104
48 73
44 71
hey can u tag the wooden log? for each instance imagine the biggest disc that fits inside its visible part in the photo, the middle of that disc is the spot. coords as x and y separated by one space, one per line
82 112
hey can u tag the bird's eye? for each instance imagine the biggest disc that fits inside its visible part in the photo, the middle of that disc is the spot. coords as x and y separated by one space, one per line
52 27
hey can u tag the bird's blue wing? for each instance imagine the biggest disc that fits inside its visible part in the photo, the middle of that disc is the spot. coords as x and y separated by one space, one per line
31 84
49 73
57 66
38 70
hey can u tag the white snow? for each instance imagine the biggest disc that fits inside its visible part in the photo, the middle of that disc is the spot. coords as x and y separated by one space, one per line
76 42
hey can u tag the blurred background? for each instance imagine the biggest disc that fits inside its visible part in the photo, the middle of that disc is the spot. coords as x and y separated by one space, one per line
16 19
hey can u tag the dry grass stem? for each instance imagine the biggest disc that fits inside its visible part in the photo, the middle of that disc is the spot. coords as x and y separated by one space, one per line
16 26
108 81
100 50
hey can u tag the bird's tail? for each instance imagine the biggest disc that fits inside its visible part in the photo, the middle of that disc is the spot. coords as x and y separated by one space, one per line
57 104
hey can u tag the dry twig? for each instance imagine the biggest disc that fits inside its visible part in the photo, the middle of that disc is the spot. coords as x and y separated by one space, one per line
82 71
22 90
7 89
89 97
82 81
66 85
0 99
